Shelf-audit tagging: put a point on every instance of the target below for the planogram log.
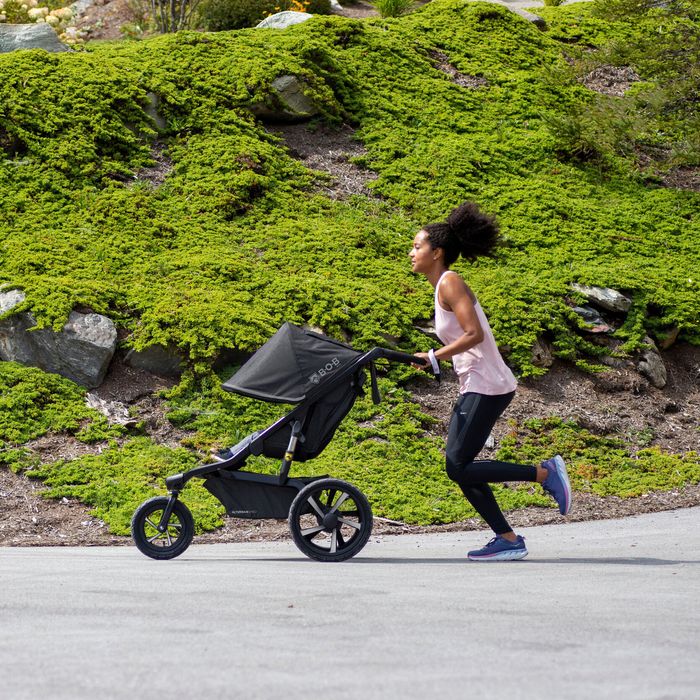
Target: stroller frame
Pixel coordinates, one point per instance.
(258, 496)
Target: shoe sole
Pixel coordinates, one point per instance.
(508, 555)
(564, 476)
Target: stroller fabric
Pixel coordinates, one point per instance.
(289, 365)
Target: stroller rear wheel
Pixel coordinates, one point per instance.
(164, 541)
(330, 520)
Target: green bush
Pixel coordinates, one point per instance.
(393, 8)
(223, 15)
(240, 236)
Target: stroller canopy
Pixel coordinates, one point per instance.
(289, 365)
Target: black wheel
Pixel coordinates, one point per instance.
(330, 520)
(168, 542)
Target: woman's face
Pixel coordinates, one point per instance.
(422, 253)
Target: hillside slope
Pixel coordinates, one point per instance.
(235, 235)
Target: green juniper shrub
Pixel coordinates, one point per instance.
(602, 464)
(240, 236)
(34, 403)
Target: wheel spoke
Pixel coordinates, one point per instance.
(155, 537)
(357, 526)
(170, 541)
(334, 542)
(341, 539)
(312, 502)
(340, 501)
(309, 532)
(153, 525)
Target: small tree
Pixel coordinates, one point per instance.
(172, 15)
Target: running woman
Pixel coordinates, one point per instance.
(486, 384)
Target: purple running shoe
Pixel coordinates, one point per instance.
(557, 483)
(499, 549)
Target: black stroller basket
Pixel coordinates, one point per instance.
(330, 520)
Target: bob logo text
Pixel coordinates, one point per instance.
(319, 374)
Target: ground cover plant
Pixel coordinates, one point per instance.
(237, 239)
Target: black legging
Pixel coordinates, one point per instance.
(473, 417)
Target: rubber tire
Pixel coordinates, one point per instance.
(300, 507)
(138, 528)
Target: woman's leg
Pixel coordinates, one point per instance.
(473, 418)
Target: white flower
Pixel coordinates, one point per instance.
(63, 12)
(52, 20)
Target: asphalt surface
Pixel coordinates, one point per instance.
(605, 609)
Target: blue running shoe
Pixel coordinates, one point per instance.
(499, 549)
(557, 483)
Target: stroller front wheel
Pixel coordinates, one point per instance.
(162, 540)
(330, 520)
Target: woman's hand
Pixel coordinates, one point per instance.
(424, 361)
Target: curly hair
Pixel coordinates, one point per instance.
(467, 231)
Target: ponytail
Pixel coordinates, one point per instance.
(467, 232)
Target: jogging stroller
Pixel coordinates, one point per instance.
(330, 519)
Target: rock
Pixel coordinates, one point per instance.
(287, 102)
(336, 7)
(651, 365)
(530, 17)
(670, 338)
(542, 355)
(115, 411)
(390, 341)
(282, 20)
(594, 321)
(429, 331)
(15, 342)
(81, 351)
(604, 297)
(151, 110)
(157, 359)
(14, 37)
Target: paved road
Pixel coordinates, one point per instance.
(607, 609)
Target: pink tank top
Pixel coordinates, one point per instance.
(480, 369)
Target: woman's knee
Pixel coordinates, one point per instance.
(458, 468)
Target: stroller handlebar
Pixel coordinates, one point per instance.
(396, 356)
(406, 358)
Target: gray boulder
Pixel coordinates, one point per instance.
(152, 110)
(15, 342)
(651, 365)
(287, 101)
(594, 321)
(81, 351)
(30, 36)
(157, 359)
(282, 20)
(542, 354)
(529, 16)
(604, 297)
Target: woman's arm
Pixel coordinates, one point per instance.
(460, 300)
